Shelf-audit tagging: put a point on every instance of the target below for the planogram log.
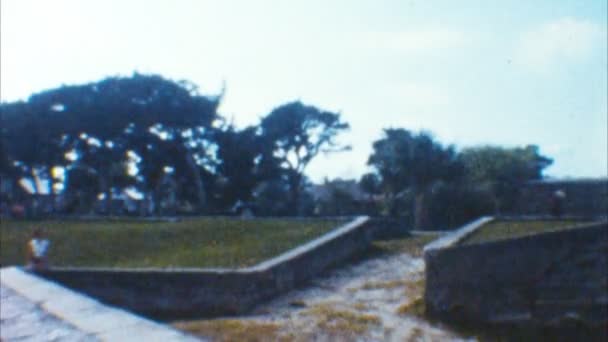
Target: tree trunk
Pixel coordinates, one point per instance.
(35, 188)
(198, 182)
(156, 195)
(421, 219)
(295, 194)
(392, 204)
(35, 194)
(106, 190)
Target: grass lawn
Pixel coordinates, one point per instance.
(412, 245)
(197, 242)
(501, 230)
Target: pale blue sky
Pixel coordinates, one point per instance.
(472, 72)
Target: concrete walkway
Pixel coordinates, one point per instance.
(34, 309)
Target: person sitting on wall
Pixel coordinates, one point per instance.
(37, 249)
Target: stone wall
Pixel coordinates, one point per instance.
(583, 197)
(539, 280)
(387, 228)
(183, 293)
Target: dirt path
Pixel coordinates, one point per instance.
(371, 300)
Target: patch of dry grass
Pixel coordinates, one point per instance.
(374, 285)
(412, 245)
(416, 335)
(415, 288)
(342, 323)
(232, 330)
(415, 307)
(361, 306)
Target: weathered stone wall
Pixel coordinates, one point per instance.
(584, 197)
(387, 228)
(538, 280)
(181, 293)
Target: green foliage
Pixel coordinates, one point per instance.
(406, 160)
(109, 124)
(242, 164)
(339, 198)
(370, 183)
(454, 204)
(208, 242)
(502, 171)
(162, 138)
(297, 134)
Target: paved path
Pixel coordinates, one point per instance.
(34, 309)
(22, 320)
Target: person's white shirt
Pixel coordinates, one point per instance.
(39, 247)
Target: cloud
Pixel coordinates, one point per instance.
(415, 41)
(563, 40)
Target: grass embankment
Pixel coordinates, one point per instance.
(200, 242)
(502, 230)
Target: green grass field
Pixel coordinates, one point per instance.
(200, 242)
(501, 230)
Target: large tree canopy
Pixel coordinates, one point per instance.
(103, 126)
(503, 170)
(412, 161)
(298, 133)
(166, 141)
(161, 138)
(244, 162)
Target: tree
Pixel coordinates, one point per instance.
(502, 171)
(32, 149)
(370, 184)
(101, 123)
(297, 134)
(338, 197)
(242, 164)
(409, 161)
(81, 189)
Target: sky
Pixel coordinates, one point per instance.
(507, 73)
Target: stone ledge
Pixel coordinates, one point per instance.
(174, 293)
(452, 238)
(87, 315)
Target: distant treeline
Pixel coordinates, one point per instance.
(161, 142)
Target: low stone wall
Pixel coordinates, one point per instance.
(183, 293)
(40, 309)
(583, 197)
(387, 228)
(541, 280)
